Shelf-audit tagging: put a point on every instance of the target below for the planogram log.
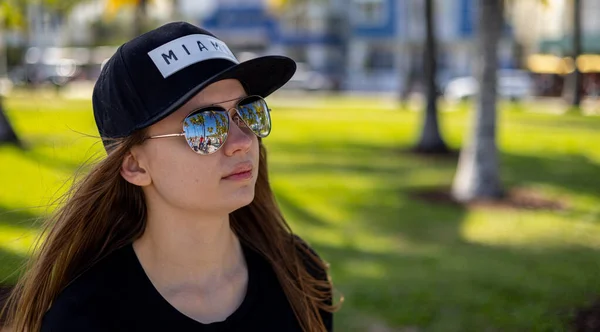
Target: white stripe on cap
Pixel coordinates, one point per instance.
(184, 51)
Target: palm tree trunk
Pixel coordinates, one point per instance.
(140, 17)
(3, 52)
(431, 141)
(7, 134)
(176, 13)
(577, 79)
(478, 176)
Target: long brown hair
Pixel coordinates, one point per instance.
(103, 213)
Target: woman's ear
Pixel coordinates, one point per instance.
(133, 171)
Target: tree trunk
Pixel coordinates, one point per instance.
(409, 79)
(577, 78)
(478, 176)
(141, 16)
(176, 13)
(431, 141)
(7, 134)
(3, 52)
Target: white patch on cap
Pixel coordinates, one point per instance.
(182, 52)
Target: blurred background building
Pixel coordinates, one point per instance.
(357, 45)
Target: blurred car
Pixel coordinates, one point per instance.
(57, 74)
(309, 80)
(512, 84)
(54, 65)
(6, 86)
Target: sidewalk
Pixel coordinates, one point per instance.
(355, 100)
(281, 99)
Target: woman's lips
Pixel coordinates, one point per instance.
(241, 171)
(239, 176)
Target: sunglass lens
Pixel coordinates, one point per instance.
(206, 131)
(255, 113)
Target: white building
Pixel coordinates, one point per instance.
(547, 28)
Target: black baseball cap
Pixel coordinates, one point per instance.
(154, 74)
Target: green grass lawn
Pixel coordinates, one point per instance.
(344, 183)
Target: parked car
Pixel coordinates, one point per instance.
(512, 84)
(5, 86)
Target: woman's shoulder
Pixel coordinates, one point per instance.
(84, 303)
(70, 315)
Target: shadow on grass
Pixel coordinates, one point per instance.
(568, 122)
(298, 213)
(379, 161)
(21, 218)
(68, 165)
(575, 173)
(467, 287)
(14, 227)
(438, 281)
(10, 266)
(432, 277)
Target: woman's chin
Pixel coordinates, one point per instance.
(245, 198)
(241, 198)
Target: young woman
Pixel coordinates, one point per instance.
(177, 229)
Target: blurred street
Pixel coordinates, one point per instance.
(82, 90)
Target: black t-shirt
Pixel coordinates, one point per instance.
(116, 295)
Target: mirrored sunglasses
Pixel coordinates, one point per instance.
(206, 129)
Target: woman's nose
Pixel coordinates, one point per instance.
(237, 140)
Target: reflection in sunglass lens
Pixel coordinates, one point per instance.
(206, 131)
(254, 112)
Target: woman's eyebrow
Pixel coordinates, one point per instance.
(221, 102)
(213, 104)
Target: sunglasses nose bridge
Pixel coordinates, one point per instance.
(236, 111)
(239, 124)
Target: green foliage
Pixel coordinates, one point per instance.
(109, 32)
(13, 12)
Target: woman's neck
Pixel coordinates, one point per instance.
(195, 262)
(178, 248)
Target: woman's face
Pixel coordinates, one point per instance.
(184, 179)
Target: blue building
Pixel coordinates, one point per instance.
(247, 27)
(312, 33)
(364, 44)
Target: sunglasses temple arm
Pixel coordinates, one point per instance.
(167, 135)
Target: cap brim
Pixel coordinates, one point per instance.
(260, 76)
